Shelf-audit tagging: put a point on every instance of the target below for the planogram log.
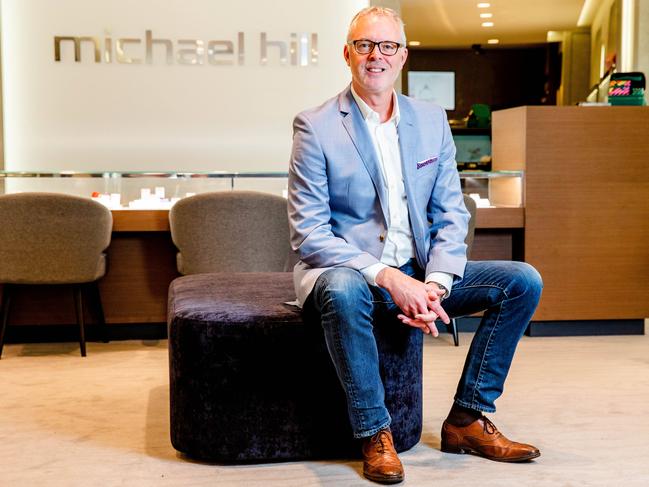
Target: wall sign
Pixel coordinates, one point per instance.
(301, 48)
(174, 85)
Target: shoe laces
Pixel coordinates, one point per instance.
(488, 427)
(381, 440)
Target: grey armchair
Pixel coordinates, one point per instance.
(49, 238)
(231, 231)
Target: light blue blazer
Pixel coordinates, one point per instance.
(337, 196)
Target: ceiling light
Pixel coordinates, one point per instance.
(487, 24)
(486, 15)
(493, 41)
(414, 43)
(484, 5)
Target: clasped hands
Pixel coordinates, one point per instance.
(419, 302)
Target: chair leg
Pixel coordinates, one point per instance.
(78, 301)
(6, 304)
(453, 329)
(95, 296)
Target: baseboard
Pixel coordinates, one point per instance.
(564, 328)
(70, 333)
(585, 328)
(158, 331)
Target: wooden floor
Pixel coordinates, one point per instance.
(103, 420)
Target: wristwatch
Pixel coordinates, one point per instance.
(443, 288)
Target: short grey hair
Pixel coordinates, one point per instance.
(383, 11)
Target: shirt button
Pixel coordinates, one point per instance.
(381, 237)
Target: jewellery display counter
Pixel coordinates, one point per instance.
(151, 192)
(142, 257)
(139, 190)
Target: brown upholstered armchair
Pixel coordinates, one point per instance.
(231, 231)
(48, 238)
(472, 209)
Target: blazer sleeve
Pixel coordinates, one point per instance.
(309, 212)
(446, 211)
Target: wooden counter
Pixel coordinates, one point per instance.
(586, 205)
(158, 220)
(500, 218)
(140, 220)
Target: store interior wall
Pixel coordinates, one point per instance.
(2, 132)
(499, 77)
(2, 149)
(394, 4)
(103, 115)
(605, 38)
(605, 32)
(642, 40)
(575, 66)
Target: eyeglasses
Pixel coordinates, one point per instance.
(365, 46)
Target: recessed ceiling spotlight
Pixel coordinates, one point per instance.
(414, 43)
(484, 5)
(493, 41)
(487, 24)
(486, 15)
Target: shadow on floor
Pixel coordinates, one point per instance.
(157, 438)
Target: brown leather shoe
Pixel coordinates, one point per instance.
(483, 438)
(381, 463)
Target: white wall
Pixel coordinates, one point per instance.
(112, 116)
(642, 43)
(600, 24)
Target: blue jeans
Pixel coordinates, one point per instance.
(508, 292)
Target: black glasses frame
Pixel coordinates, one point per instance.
(381, 45)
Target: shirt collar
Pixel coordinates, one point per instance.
(371, 115)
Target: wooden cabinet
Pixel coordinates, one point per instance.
(586, 198)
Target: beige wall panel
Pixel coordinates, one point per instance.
(642, 40)
(194, 110)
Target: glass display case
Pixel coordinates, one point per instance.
(160, 190)
(141, 190)
(494, 189)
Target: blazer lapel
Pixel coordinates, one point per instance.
(357, 130)
(408, 140)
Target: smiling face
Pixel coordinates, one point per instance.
(374, 74)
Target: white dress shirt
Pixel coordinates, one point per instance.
(399, 246)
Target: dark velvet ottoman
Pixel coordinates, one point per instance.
(251, 381)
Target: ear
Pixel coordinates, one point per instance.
(346, 53)
(404, 56)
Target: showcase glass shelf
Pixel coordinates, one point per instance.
(147, 190)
